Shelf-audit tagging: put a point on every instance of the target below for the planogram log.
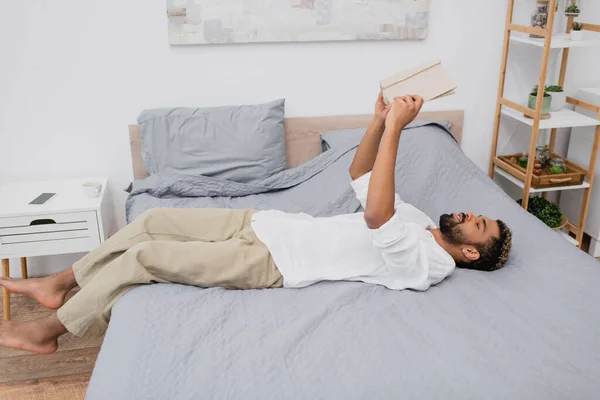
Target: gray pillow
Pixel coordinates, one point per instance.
(345, 137)
(341, 138)
(238, 143)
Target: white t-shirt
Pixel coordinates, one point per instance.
(401, 254)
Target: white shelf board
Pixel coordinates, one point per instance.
(569, 238)
(559, 41)
(520, 184)
(560, 119)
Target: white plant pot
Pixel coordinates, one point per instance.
(572, 14)
(559, 101)
(576, 35)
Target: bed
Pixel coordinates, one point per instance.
(528, 331)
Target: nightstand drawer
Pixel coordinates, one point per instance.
(49, 234)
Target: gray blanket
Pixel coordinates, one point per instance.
(528, 331)
(326, 174)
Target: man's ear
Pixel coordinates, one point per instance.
(471, 253)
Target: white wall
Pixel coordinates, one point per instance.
(584, 65)
(74, 74)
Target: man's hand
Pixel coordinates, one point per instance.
(381, 109)
(367, 150)
(403, 111)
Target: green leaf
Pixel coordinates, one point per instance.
(544, 210)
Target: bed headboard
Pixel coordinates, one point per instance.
(302, 140)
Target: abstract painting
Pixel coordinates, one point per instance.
(248, 21)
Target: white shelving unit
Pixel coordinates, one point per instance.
(579, 146)
(565, 118)
(590, 39)
(560, 119)
(569, 238)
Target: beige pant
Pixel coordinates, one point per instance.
(199, 247)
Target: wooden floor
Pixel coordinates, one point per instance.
(63, 375)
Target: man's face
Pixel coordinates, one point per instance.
(468, 229)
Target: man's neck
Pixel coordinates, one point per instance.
(450, 249)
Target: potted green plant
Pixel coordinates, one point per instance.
(559, 97)
(546, 211)
(577, 31)
(572, 10)
(545, 104)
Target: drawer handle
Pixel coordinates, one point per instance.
(42, 222)
(562, 180)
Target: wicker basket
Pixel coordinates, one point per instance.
(563, 223)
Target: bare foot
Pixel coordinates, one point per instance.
(49, 292)
(39, 336)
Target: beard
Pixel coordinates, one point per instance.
(451, 230)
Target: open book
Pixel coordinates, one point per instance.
(430, 81)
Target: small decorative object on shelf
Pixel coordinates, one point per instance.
(557, 166)
(546, 211)
(539, 18)
(573, 8)
(543, 154)
(577, 31)
(537, 166)
(545, 105)
(523, 160)
(559, 97)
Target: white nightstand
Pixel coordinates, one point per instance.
(67, 223)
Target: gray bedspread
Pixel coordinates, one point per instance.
(528, 331)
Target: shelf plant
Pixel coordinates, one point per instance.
(559, 97)
(572, 10)
(545, 211)
(545, 104)
(577, 31)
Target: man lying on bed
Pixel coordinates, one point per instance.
(391, 244)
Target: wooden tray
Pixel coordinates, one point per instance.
(574, 176)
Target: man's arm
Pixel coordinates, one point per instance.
(381, 193)
(367, 150)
